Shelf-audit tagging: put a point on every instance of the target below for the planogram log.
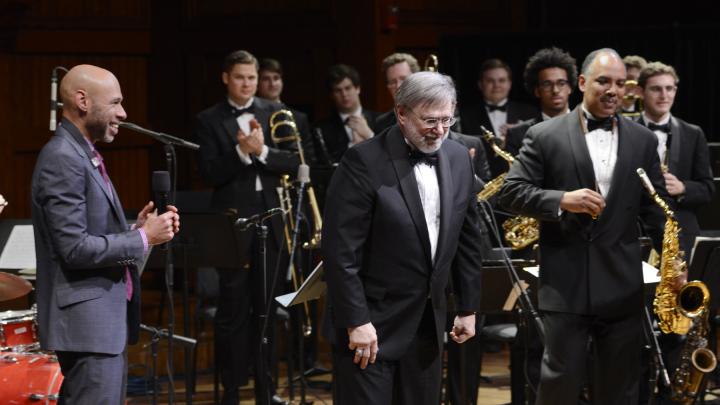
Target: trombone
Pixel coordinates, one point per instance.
(279, 119)
(431, 63)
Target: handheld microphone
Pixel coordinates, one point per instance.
(53, 100)
(161, 191)
(244, 223)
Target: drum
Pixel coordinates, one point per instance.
(18, 330)
(29, 378)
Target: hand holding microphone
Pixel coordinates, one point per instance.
(159, 227)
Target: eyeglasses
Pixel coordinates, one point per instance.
(547, 85)
(432, 122)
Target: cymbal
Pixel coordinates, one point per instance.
(12, 286)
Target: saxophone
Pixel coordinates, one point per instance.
(520, 231)
(675, 310)
(683, 313)
(696, 360)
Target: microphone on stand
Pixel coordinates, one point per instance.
(303, 174)
(161, 192)
(321, 142)
(53, 97)
(244, 223)
(53, 100)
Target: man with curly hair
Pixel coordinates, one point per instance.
(550, 75)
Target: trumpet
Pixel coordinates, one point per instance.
(631, 95)
(431, 63)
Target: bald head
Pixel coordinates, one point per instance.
(602, 82)
(92, 100)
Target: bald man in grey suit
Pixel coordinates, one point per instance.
(88, 287)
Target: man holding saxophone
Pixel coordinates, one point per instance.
(576, 174)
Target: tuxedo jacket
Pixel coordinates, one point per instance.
(516, 134)
(233, 181)
(689, 161)
(480, 161)
(475, 116)
(385, 120)
(376, 247)
(586, 266)
(335, 136)
(83, 246)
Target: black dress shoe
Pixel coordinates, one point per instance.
(276, 400)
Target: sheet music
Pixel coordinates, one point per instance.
(311, 289)
(650, 273)
(19, 251)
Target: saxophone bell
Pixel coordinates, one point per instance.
(693, 299)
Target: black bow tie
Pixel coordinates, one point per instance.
(240, 111)
(655, 127)
(605, 124)
(416, 157)
(492, 108)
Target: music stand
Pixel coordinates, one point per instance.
(704, 262)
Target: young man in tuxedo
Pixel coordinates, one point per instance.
(243, 165)
(577, 175)
(350, 123)
(497, 112)
(401, 225)
(396, 68)
(682, 149)
(550, 75)
(88, 286)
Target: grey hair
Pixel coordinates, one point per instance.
(426, 88)
(594, 54)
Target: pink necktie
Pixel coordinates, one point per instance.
(103, 172)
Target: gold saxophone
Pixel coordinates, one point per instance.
(685, 312)
(675, 310)
(696, 360)
(520, 231)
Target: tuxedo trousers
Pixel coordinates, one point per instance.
(414, 379)
(616, 352)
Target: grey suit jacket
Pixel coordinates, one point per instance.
(83, 246)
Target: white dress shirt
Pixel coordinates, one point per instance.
(348, 130)
(429, 190)
(243, 121)
(603, 146)
(661, 136)
(497, 118)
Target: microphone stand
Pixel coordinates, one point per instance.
(261, 365)
(156, 335)
(268, 300)
(293, 249)
(524, 301)
(169, 142)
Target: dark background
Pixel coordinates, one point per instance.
(167, 56)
